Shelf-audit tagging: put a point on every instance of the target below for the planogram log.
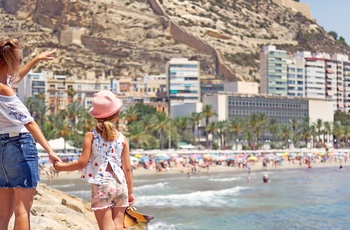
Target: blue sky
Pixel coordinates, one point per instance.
(332, 15)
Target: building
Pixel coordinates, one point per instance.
(273, 71)
(183, 81)
(316, 76)
(283, 109)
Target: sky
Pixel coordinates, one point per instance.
(332, 15)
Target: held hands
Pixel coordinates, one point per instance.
(57, 165)
(54, 158)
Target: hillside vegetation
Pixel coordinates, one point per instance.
(128, 38)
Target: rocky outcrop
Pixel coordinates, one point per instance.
(55, 210)
(129, 38)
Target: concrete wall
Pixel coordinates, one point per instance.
(301, 7)
(70, 36)
(320, 109)
(185, 109)
(219, 102)
(179, 34)
(242, 87)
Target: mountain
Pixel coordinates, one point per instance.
(133, 37)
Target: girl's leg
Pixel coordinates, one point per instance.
(118, 217)
(23, 202)
(7, 196)
(104, 219)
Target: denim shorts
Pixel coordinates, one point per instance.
(19, 165)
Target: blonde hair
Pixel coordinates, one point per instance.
(10, 56)
(106, 127)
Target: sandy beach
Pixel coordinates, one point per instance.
(256, 166)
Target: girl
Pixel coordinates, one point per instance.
(19, 166)
(106, 159)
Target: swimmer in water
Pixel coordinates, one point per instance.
(266, 178)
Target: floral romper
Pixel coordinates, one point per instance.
(108, 188)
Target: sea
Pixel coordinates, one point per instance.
(316, 198)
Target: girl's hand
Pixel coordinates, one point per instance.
(57, 166)
(131, 199)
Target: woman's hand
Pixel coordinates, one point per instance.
(54, 158)
(46, 55)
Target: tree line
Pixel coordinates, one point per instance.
(148, 129)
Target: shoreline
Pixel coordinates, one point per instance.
(257, 166)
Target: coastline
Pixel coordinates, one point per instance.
(257, 166)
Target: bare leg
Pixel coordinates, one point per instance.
(118, 217)
(7, 196)
(104, 219)
(23, 202)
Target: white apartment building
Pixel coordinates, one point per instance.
(273, 71)
(183, 81)
(316, 76)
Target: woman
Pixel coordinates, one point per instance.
(19, 173)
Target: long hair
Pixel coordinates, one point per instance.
(106, 127)
(10, 56)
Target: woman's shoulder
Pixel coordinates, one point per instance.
(6, 90)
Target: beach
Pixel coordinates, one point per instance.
(256, 166)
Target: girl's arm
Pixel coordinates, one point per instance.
(24, 70)
(127, 170)
(34, 129)
(83, 159)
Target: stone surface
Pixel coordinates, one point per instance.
(48, 212)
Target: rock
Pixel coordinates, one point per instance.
(54, 210)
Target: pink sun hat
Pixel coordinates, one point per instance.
(105, 104)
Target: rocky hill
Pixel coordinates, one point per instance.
(132, 37)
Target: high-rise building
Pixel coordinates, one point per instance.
(273, 71)
(183, 81)
(317, 76)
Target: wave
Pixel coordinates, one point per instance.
(151, 187)
(225, 179)
(162, 226)
(212, 198)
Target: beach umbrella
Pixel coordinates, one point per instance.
(252, 158)
(134, 159)
(144, 158)
(138, 155)
(222, 158)
(207, 157)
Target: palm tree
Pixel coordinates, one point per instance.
(131, 114)
(63, 128)
(137, 135)
(338, 133)
(346, 134)
(274, 129)
(160, 121)
(212, 128)
(318, 126)
(294, 123)
(327, 129)
(195, 119)
(236, 127)
(74, 110)
(286, 132)
(207, 112)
